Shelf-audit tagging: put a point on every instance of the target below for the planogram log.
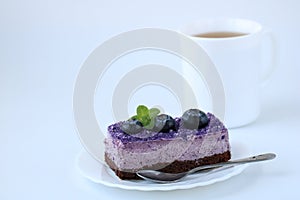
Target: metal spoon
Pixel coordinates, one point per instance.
(162, 177)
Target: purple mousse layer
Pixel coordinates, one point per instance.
(151, 150)
(146, 135)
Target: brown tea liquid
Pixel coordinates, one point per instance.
(220, 34)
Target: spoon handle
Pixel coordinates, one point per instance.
(257, 158)
(262, 157)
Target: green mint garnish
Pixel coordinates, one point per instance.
(146, 116)
(143, 115)
(153, 112)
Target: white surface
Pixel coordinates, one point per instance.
(98, 173)
(43, 44)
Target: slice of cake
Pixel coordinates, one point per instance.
(152, 141)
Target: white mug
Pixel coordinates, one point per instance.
(235, 46)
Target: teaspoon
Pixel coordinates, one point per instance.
(162, 177)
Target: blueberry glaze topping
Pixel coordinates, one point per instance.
(132, 126)
(164, 123)
(214, 125)
(194, 119)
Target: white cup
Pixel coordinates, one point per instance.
(239, 61)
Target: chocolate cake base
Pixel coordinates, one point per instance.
(174, 167)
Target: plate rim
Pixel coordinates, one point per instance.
(155, 187)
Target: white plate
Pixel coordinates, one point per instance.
(98, 173)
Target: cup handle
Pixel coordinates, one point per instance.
(272, 65)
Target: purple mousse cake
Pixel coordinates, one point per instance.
(168, 145)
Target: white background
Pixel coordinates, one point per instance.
(44, 43)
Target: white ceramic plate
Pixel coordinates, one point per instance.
(99, 173)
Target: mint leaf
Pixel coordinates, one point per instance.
(153, 112)
(142, 111)
(143, 115)
(150, 125)
(145, 120)
(146, 116)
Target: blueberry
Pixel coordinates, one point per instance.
(194, 119)
(164, 123)
(132, 126)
